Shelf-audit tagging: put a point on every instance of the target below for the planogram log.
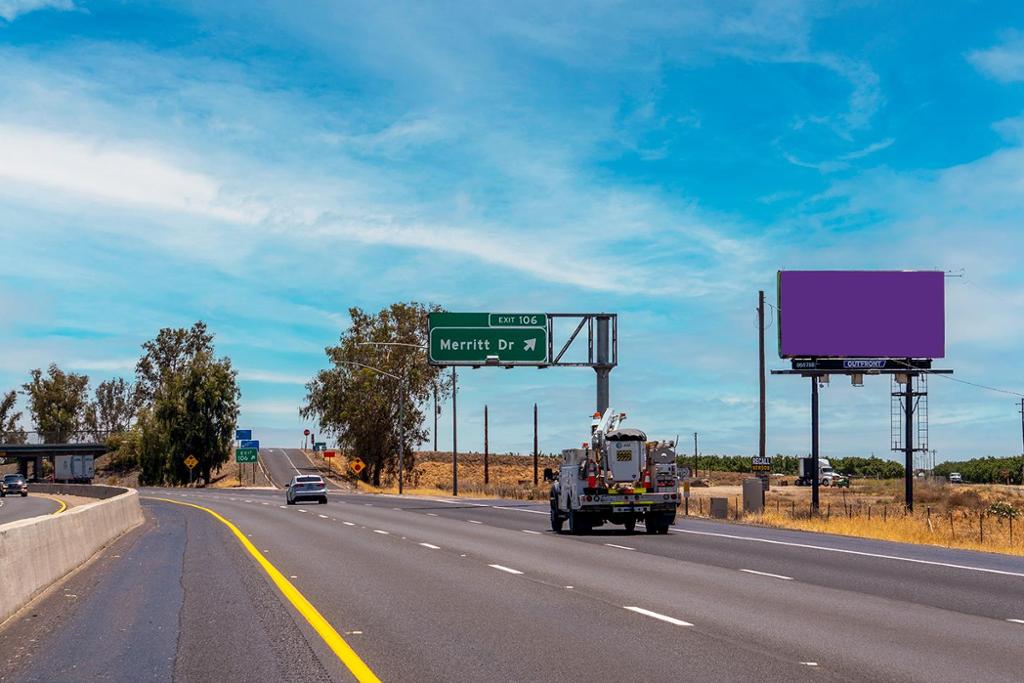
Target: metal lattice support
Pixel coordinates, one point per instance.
(896, 415)
(922, 413)
(897, 426)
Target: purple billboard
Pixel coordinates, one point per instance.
(861, 314)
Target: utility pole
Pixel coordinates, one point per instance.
(760, 349)
(1022, 425)
(695, 455)
(455, 437)
(487, 469)
(401, 439)
(534, 444)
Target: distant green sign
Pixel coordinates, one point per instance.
(246, 454)
(476, 338)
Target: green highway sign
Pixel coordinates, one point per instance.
(246, 454)
(477, 338)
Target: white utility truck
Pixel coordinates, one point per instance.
(619, 477)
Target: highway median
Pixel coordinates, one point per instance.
(37, 552)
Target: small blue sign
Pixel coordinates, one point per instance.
(243, 434)
(249, 444)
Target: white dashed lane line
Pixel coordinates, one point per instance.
(502, 568)
(531, 531)
(381, 531)
(846, 551)
(473, 521)
(655, 615)
(773, 576)
(621, 547)
(431, 546)
(322, 516)
(1016, 621)
(349, 523)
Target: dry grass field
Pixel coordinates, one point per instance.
(956, 516)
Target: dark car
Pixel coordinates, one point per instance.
(13, 483)
(306, 487)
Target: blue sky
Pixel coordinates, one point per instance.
(264, 166)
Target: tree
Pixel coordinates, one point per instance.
(58, 402)
(169, 354)
(191, 406)
(9, 430)
(116, 405)
(358, 399)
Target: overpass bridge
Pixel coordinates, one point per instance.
(31, 448)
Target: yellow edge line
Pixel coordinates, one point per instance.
(331, 637)
(63, 506)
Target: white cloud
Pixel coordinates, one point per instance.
(1004, 62)
(12, 9)
(870, 149)
(110, 364)
(108, 172)
(270, 407)
(271, 377)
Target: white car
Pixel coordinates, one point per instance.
(955, 478)
(306, 487)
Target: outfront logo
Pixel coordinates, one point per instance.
(864, 364)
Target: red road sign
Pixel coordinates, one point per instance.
(328, 454)
(305, 432)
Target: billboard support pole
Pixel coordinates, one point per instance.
(908, 441)
(814, 443)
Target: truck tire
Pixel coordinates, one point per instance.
(659, 524)
(631, 525)
(556, 518)
(578, 522)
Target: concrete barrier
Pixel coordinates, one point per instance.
(36, 552)
(84, 490)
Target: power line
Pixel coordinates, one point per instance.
(964, 381)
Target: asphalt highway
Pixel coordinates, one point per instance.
(15, 507)
(469, 590)
(284, 463)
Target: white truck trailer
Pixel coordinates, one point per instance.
(825, 472)
(619, 478)
(73, 468)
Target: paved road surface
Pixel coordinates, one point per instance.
(284, 463)
(15, 507)
(461, 590)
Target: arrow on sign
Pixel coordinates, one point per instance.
(530, 344)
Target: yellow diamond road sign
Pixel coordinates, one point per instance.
(357, 465)
(191, 461)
